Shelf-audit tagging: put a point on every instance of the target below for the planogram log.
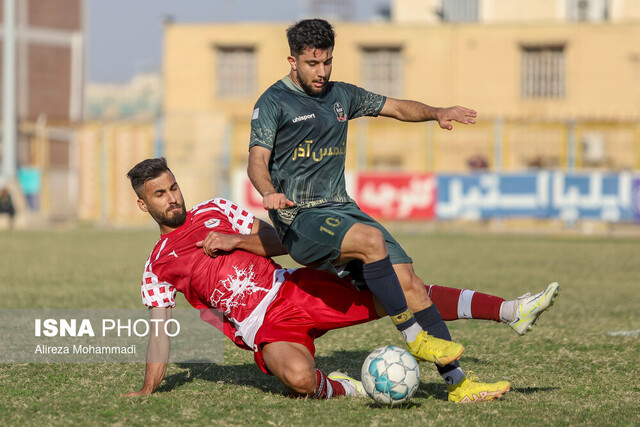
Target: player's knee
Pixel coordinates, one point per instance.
(300, 379)
(373, 244)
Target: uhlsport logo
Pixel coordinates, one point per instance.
(340, 114)
(304, 118)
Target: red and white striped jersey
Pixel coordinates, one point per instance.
(238, 284)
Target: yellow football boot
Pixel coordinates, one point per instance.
(431, 349)
(471, 390)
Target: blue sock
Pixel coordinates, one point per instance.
(431, 321)
(383, 282)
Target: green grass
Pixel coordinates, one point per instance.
(567, 372)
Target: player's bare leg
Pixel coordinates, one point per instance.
(413, 288)
(294, 366)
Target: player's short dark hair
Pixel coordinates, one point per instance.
(310, 33)
(146, 170)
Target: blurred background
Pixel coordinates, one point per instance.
(91, 87)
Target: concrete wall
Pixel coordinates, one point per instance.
(473, 65)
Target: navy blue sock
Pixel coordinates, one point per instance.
(431, 321)
(383, 282)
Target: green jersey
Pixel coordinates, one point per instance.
(307, 137)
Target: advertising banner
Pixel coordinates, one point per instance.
(546, 194)
(396, 196)
(610, 197)
(635, 198)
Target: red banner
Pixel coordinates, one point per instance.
(253, 198)
(397, 196)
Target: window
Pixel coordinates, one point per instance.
(236, 77)
(460, 10)
(588, 10)
(382, 70)
(543, 72)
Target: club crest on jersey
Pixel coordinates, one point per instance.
(212, 223)
(340, 114)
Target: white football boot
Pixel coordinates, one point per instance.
(352, 387)
(530, 307)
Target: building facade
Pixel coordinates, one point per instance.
(442, 12)
(50, 60)
(552, 92)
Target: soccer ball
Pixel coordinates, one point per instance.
(390, 375)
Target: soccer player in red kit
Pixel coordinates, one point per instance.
(217, 255)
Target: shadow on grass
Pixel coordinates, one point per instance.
(533, 390)
(349, 362)
(248, 374)
(408, 405)
(436, 390)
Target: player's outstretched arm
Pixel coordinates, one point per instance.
(158, 351)
(414, 111)
(262, 241)
(258, 171)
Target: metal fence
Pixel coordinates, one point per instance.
(82, 168)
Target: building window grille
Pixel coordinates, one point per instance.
(382, 70)
(236, 72)
(460, 10)
(588, 10)
(543, 72)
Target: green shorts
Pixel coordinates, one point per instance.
(315, 236)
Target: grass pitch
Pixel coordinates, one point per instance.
(578, 366)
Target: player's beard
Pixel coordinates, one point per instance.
(173, 217)
(310, 90)
(307, 84)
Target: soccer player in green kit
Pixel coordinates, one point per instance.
(297, 161)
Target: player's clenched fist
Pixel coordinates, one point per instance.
(276, 201)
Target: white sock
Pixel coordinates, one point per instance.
(453, 377)
(411, 333)
(329, 390)
(508, 311)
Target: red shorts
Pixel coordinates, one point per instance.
(310, 303)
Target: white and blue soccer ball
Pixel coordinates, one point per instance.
(390, 375)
